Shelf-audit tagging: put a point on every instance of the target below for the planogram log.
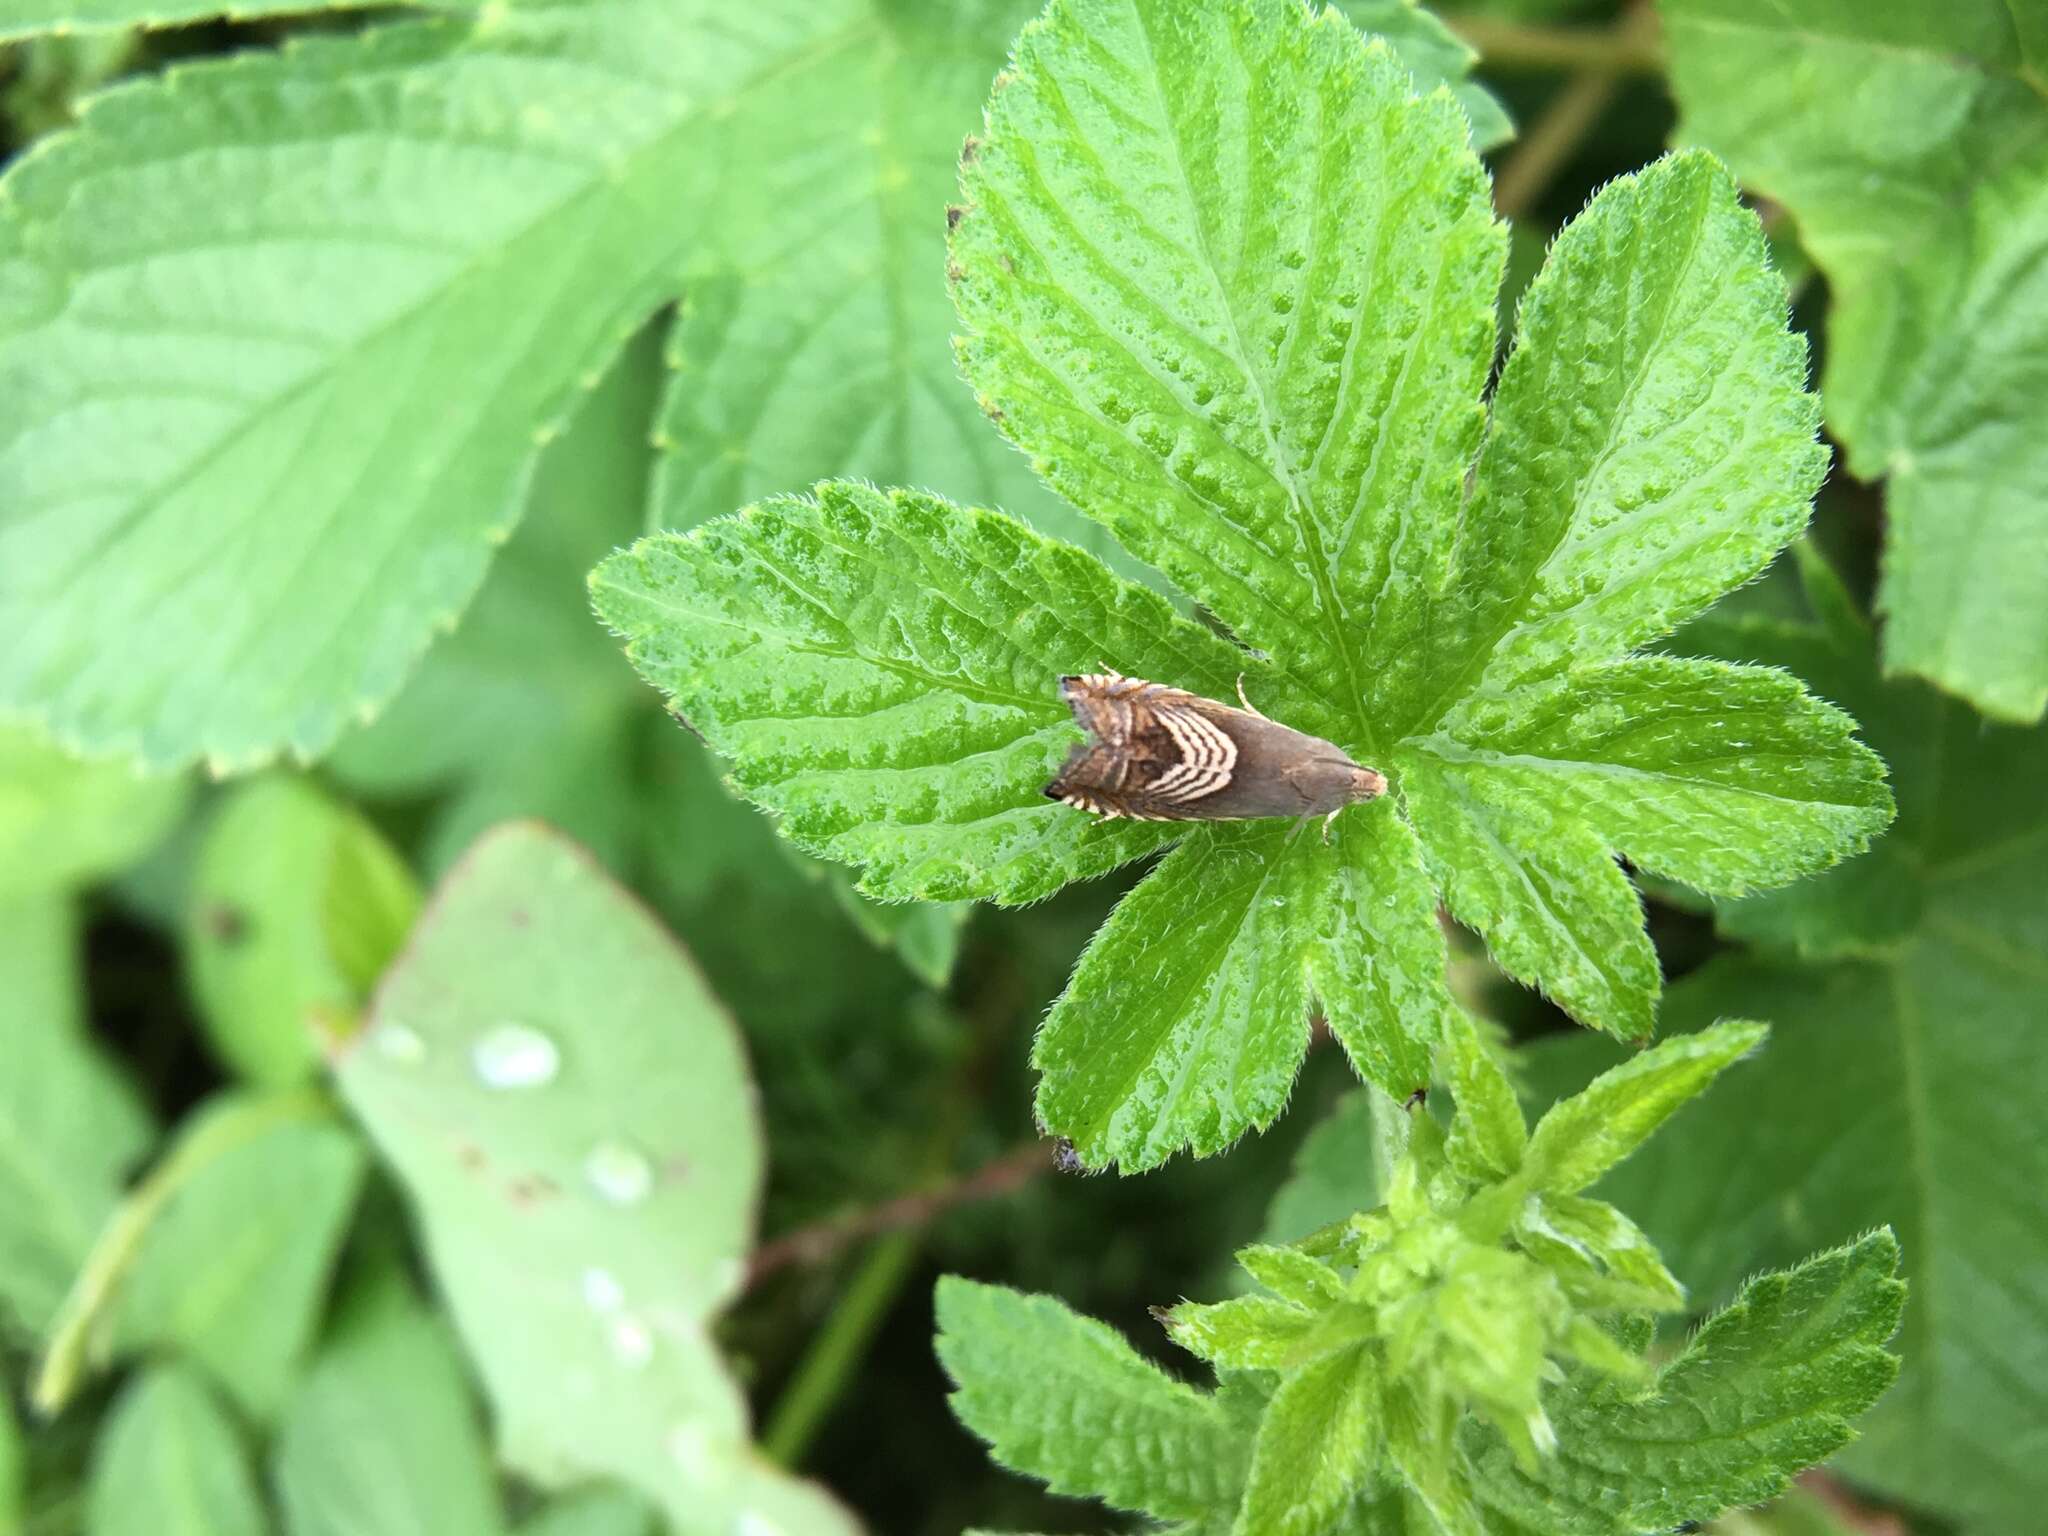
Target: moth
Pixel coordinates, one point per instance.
(1156, 753)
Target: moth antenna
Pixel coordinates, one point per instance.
(1249, 707)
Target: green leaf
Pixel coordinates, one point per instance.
(1765, 1389)
(1603, 1257)
(597, 1512)
(1265, 380)
(1910, 141)
(234, 1273)
(382, 1435)
(295, 905)
(13, 1471)
(1898, 1086)
(339, 506)
(1064, 1399)
(568, 1109)
(169, 1462)
(1488, 1133)
(20, 18)
(64, 822)
(1585, 1135)
(879, 669)
(1435, 56)
(70, 1125)
(1333, 1173)
(1317, 1445)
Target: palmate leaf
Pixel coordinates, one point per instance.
(1910, 142)
(1231, 285)
(287, 330)
(1901, 1081)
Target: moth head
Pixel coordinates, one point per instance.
(1330, 782)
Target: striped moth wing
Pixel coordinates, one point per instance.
(1156, 753)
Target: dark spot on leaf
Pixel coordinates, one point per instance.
(470, 1155)
(226, 924)
(969, 148)
(1416, 1099)
(1064, 1157)
(953, 215)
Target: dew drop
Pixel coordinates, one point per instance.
(620, 1173)
(631, 1342)
(601, 1291)
(396, 1042)
(515, 1056)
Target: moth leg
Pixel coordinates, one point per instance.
(1326, 824)
(1249, 707)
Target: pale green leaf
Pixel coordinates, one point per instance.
(1765, 1389)
(528, 708)
(1910, 142)
(382, 1436)
(65, 823)
(596, 1512)
(233, 1274)
(1318, 1442)
(1580, 1138)
(1602, 1257)
(568, 1109)
(1333, 1173)
(881, 669)
(1063, 1398)
(70, 1126)
(234, 519)
(1245, 1333)
(293, 895)
(1487, 1130)
(170, 1462)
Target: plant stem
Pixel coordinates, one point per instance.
(838, 1348)
(1509, 47)
(817, 1243)
(1565, 122)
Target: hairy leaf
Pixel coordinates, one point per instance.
(70, 1125)
(1231, 285)
(567, 1107)
(1910, 141)
(1065, 1399)
(1587, 1134)
(1900, 1079)
(1318, 1441)
(170, 1462)
(1766, 1388)
(383, 1435)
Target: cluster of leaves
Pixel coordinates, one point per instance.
(1265, 380)
(1468, 1358)
(300, 344)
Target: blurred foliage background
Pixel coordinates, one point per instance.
(212, 1297)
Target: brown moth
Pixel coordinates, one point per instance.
(1156, 753)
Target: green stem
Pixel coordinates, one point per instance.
(838, 1349)
(1509, 47)
(74, 1333)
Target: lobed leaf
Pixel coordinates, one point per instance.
(1910, 142)
(170, 1462)
(1064, 1398)
(567, 1108)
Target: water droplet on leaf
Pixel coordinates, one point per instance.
(631, 1342)
(601, 1292)
(515, 1056)
(396, 1042)
(618, 1172)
